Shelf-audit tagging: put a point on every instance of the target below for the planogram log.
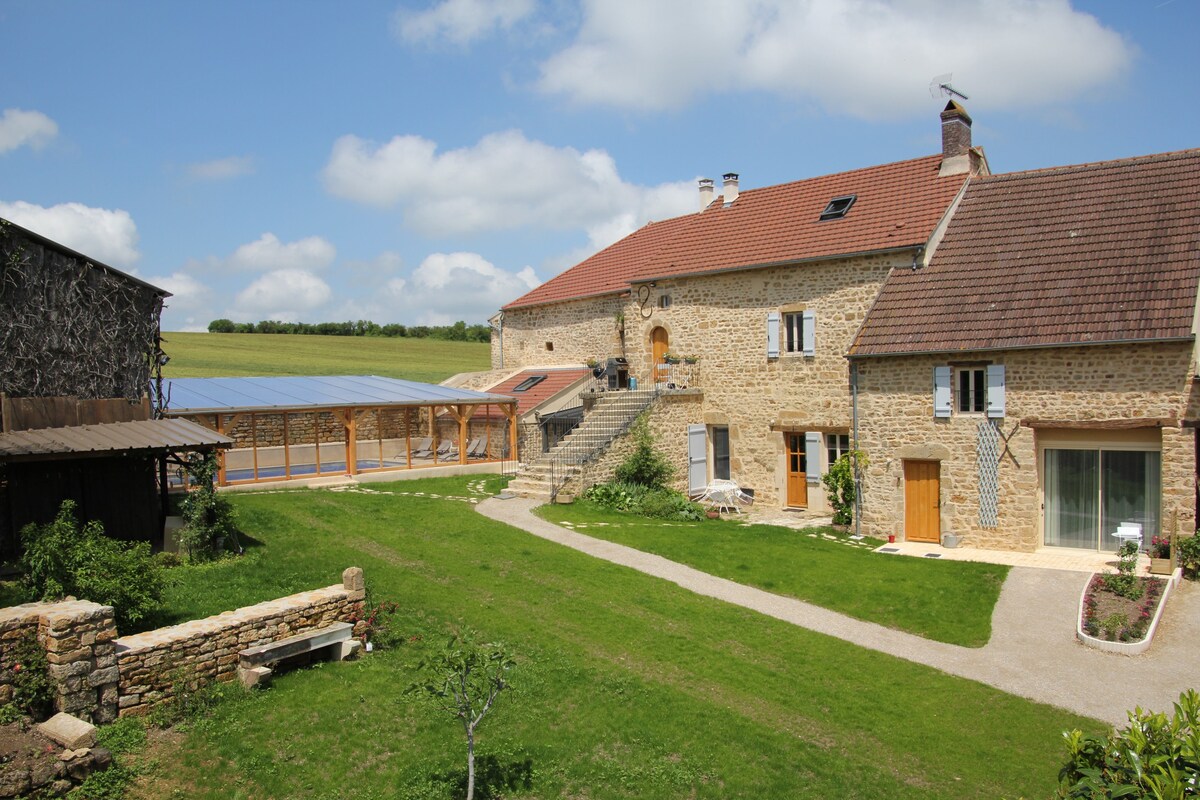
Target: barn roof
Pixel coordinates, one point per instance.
(112, 438)
(1083, 254)
(895, 206)
(230, 395)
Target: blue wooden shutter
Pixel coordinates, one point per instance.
(697, 458)
(813, 442)
(810, 334)
(941, 391)
(995, 390)
(772, 334)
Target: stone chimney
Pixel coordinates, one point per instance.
(706, 193)
(731, 187)
(956, 140)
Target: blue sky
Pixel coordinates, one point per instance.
(427, 162)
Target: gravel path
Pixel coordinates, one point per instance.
(1032, 653)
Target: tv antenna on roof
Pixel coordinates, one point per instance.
(941, 85)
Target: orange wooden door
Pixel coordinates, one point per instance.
(797, 471)
(658, 347)
(922, 490)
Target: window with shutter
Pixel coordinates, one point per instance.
(941, 391)
(812, 449)
(772, 334)
(995, 391)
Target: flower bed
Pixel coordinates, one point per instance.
(1121, 616)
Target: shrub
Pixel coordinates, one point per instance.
(617, 495)
(378, 623)
(28, 673)
(1189, 555)
(839, 485)
(1125, 582)
(668, 504)
(638, 499)
(1156, 756)
(645, 465)
(209, 525)
(61, 558)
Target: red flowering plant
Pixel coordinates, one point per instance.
(373, 625)
(1160, 547)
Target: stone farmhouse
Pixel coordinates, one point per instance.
(767, 289)
(1033, 385)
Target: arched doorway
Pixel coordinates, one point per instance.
(658, 349)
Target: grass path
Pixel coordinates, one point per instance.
(626, 686)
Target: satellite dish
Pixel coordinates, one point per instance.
(940, 86)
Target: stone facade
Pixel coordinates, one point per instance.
(1051, 395)
(722, 318)
(98, 676)
(79, 640)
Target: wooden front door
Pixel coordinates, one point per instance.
(658, 347)
(922, 511)
(797, 471)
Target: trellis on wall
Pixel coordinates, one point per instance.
(987, 449)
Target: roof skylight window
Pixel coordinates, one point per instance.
(529, 383)
(838, 207)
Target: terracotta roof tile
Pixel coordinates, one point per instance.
(555, 381)
(898, 206)
(1081, 254)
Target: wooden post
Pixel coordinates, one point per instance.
(408, 437)
(510, 411)
(254, 441)
(350, 420)
(221, 481)
(287, 444)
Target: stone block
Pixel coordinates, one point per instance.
(353, 580)
(254, 676)
(68, 731)
(102, 677)
(348, 649)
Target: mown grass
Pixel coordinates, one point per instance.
(210, 355)
(626, 686)
(950, 601)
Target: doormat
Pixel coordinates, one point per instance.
(933, 555)
(888, 550)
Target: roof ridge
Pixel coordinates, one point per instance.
(1066, 168)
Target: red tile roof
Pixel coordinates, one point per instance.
(898, 206)
(1082, 254)
(556, 380)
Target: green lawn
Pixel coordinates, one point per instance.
(210, 355)
(626, 686)
(950, 601)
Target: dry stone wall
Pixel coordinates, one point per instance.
(1078, 386)
(98, 675)
(722, 318)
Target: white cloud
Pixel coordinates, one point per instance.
(503, 182)
(222, 168)
(447, 287)
(109, 236)
(267, 252)
(459, 21)
(31, 128)
(284, 294)
(867, 58)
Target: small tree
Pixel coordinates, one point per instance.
(840, 485)
(645, 465)
(464, 678)
(208, 517)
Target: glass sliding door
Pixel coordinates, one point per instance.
(1072, 498)
(1089, 493)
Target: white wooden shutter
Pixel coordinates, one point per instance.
(809, 338)
(995, 390)
(772, 334)
(813, 443)
(697, 458)
(941, 391)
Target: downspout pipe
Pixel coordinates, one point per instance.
(857, 474)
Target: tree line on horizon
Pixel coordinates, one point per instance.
(458, 332)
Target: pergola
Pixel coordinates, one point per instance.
(299, 427)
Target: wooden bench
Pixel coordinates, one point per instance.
(334, 642)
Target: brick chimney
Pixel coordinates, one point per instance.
(731, 187)
(957, 155)
(706, 193)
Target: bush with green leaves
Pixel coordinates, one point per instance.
(63, 558)
(645, 465)
(27, 671)
(636, 498)
(1188, 553)
(1155, 757)
(209, 527)
(840, 486)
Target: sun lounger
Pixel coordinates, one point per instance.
(477, 449)
(423, 448)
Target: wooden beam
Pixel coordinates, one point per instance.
(1102, 424)
(350, 422)
(220, 428)
(510, 411)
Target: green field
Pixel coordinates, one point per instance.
(216, 355)
(626, 686)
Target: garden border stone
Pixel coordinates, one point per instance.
(1125, 648)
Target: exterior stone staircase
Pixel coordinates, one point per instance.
(611, 417)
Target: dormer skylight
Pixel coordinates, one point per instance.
(838, 207)
(529, 383)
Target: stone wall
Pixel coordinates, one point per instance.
(722, 318)
(303, 426)
(99, 675)
(1078, 386)
(79, 640)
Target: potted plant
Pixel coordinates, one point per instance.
(670, 358)
(691, 359)
(1160, 555)
(592, 363)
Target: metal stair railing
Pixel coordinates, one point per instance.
(592, 436)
